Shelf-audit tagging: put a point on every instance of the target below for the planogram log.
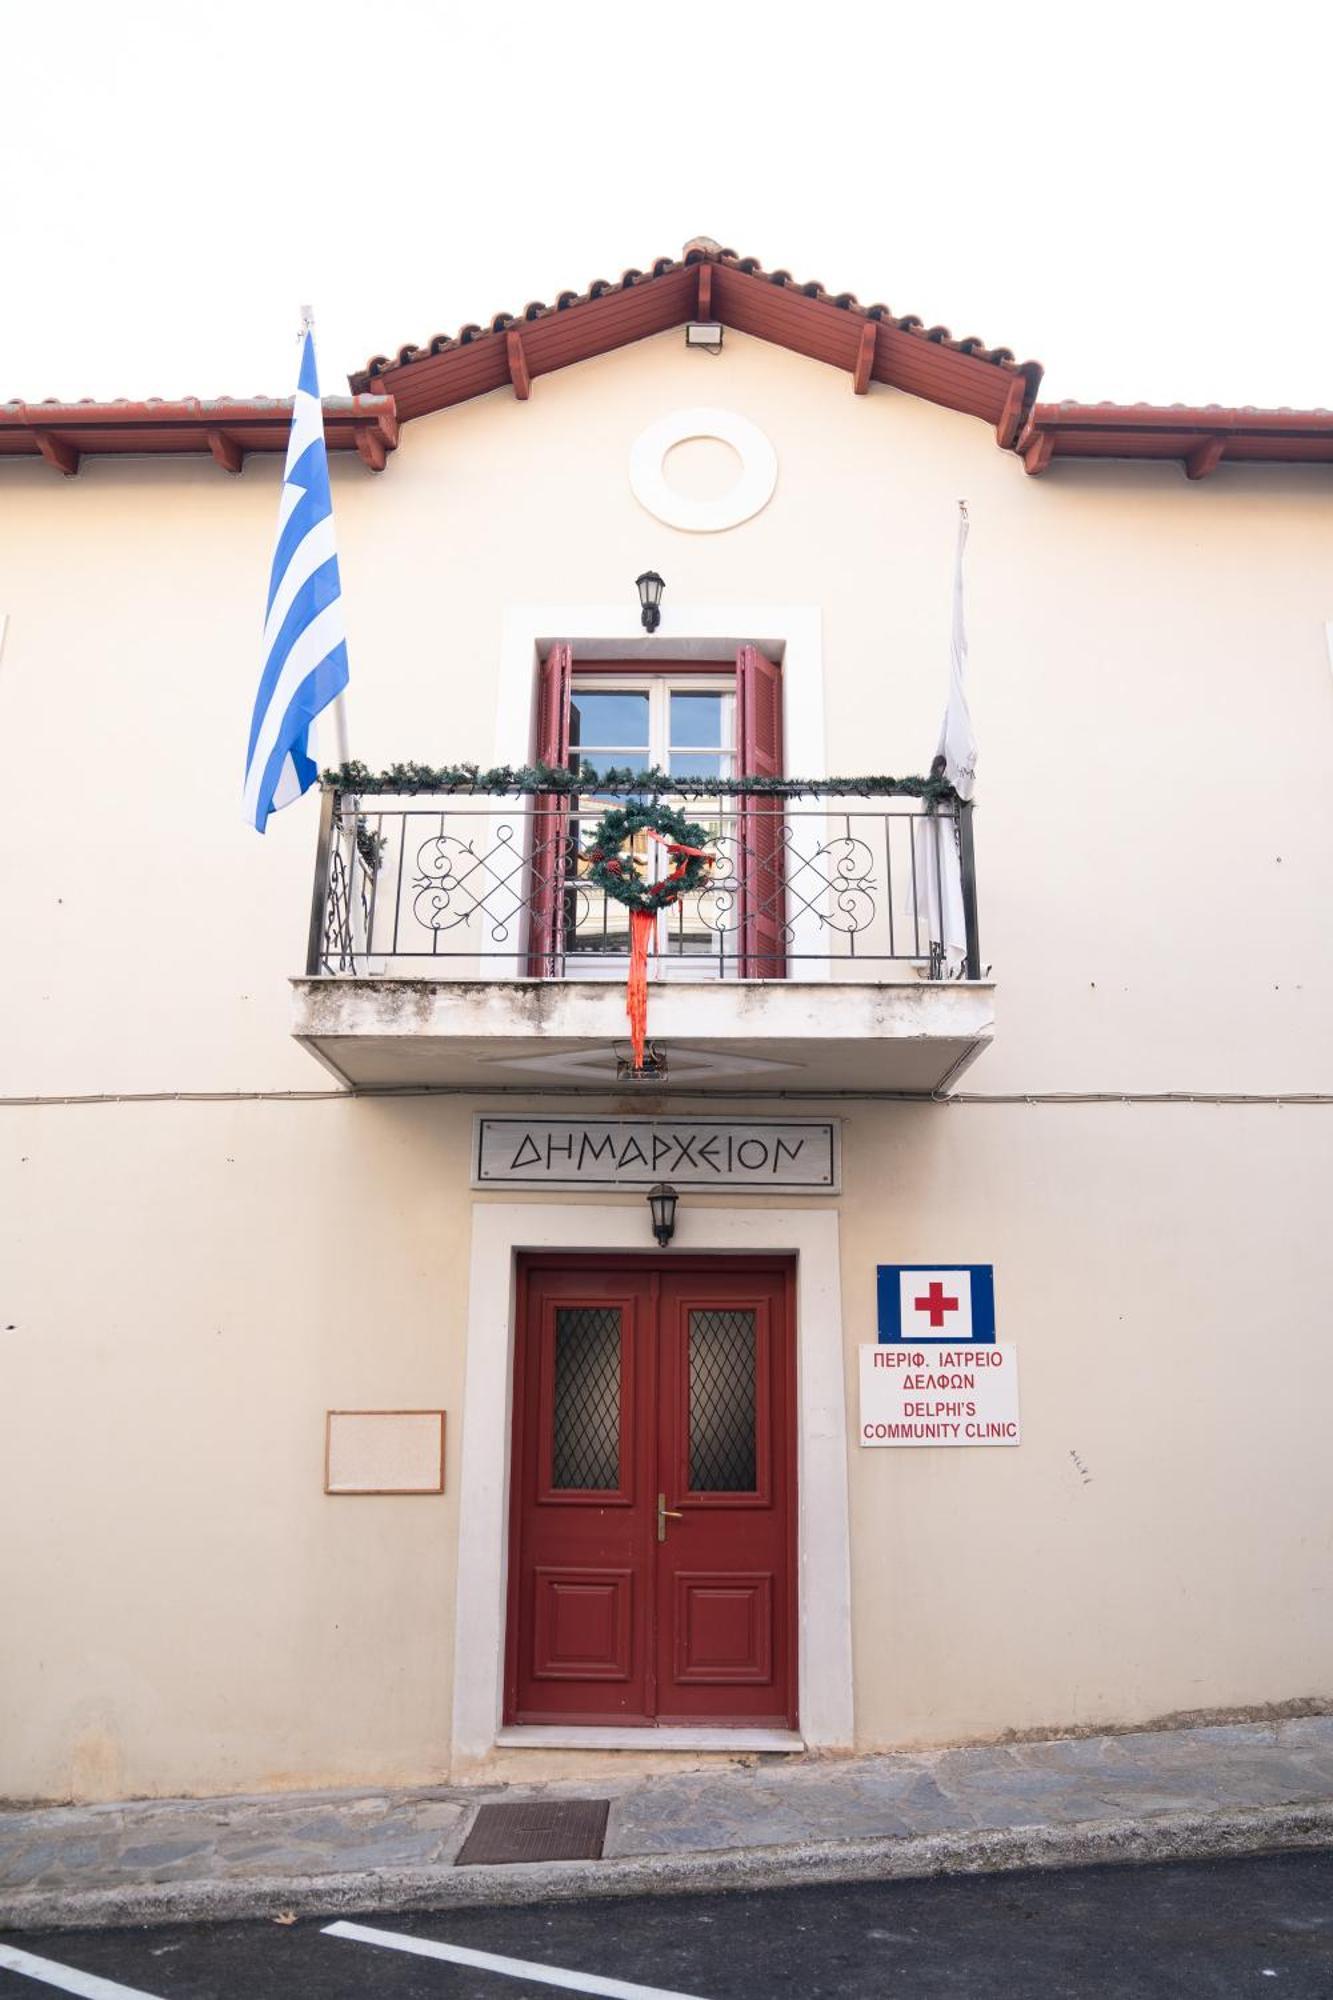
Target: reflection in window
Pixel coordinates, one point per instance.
(609, 728)
(696, 721)
(586, 1442)
(722, 1377)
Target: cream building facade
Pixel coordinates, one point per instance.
(212, 1241)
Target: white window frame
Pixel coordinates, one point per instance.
(659, 688)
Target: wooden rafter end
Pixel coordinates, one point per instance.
(518, 365)
(1204, 457)
(1038, 451)
(1011, 417)
(57, 452)
(865, 359)
(225, 450)
(370, 446)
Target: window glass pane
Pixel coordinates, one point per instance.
(586, 1445)
(696, 720)
(617, 720)
(722, 1371)
(696, 764)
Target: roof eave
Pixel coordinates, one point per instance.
(1197, 439)
(225, 429)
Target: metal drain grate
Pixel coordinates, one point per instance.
(570, 1831)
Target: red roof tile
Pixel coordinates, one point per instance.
(708, 282)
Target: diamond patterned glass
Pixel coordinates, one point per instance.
(586, 1446)
(722, 1357)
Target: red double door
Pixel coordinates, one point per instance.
(652, 1572)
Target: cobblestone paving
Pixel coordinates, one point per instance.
(752, 1803)
(1027, 1784)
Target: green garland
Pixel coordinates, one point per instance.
(407, 779)
(618, 876)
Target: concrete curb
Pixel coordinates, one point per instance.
(1188, 1836)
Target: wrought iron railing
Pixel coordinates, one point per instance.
(494, 888)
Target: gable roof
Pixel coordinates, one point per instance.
(707, 282)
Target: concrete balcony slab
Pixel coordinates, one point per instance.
(734, 1036)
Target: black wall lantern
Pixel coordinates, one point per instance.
(650, 587)
(662, 1202)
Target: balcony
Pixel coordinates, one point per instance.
(457, 941)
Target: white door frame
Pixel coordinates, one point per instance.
(500, 1230)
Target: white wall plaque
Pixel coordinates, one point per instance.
(384, 1451)
(790, 1156)
(939, 1395)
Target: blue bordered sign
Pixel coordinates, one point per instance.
(949, 1303)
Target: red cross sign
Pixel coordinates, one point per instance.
(948, 1304)
(936, 1304)
(917, 1303)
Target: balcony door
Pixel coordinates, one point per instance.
(652, 1557)
(685, 727)
(692, 721)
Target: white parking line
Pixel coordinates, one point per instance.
(66, 1977)
(516, 1968)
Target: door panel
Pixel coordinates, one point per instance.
(583, 1504)
(723, 1628)
(582, 1620)
(724, 1571)
(652, 1545)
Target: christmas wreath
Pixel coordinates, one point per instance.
(615, 871)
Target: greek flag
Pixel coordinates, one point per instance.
(305, 654)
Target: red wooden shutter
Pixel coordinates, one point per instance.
(761, 824)
(550, 826)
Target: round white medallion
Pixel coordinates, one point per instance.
(752, 490)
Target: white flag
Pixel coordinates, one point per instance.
(933, 897)
(958, 746)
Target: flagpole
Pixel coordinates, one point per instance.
(347, 808)
(340, 742)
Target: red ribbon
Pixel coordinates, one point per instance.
(642, 933)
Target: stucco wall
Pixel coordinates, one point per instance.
(1149, 680)
(192, 1287)
(188, 1287)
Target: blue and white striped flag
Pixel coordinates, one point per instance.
(305, 651)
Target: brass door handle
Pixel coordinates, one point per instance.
(665, 1514)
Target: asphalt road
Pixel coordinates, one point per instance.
(1225, 1929)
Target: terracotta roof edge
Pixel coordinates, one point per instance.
(699, 250)
(237, 408)
(1185, 415)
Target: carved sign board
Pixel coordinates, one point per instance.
(781, 1156)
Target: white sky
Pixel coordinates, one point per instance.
(1136, 195)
